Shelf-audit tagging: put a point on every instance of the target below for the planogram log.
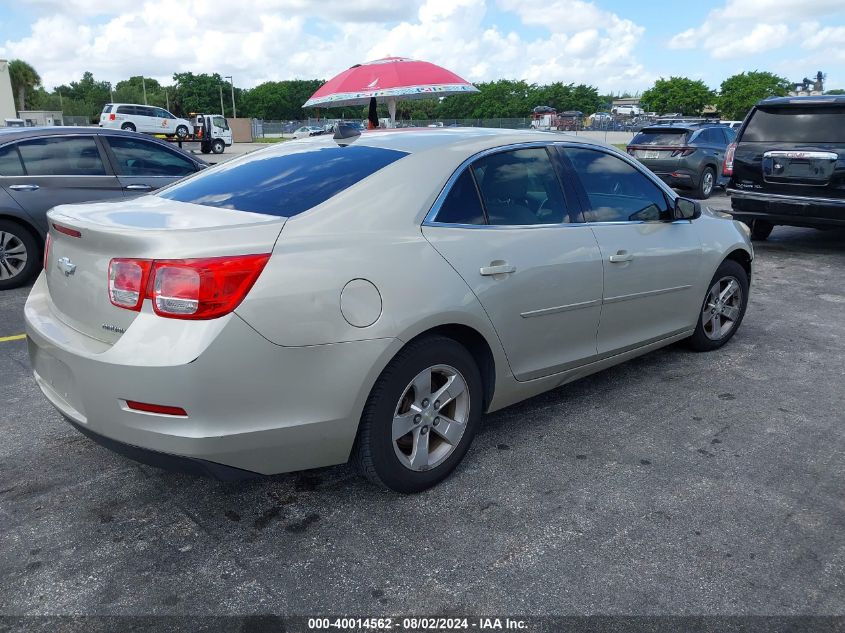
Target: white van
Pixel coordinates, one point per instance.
(143, 118)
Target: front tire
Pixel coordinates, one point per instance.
(20, 256)
(421, 416)
(706, 184)
(218, 146)
(723, 308)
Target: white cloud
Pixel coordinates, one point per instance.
(261, 40)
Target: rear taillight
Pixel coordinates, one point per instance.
(128, 281)
(728, 167)
(47, 251)
(682, 151)
(184, 288)
(111, 117)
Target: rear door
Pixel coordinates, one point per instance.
(527, 257)
(61, 170)
(793, 150)
(143, 165)
(650, 263)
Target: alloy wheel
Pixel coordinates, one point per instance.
(722, 308)
(430, 417)
(13, 255)
(707, 187)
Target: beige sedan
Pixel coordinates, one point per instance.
(369, 297)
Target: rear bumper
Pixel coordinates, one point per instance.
(789, 210)
(252, 405)
(679, 179)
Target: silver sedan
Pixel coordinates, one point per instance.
(369, 297)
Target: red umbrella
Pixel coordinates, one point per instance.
(389, 80)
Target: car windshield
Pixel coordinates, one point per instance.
(283, 183)
(797, 125)
(660, 137)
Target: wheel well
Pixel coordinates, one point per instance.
(743, 259)
(477, 345)
(36, 235)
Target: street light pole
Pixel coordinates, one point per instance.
(222, 113)
(232, 85)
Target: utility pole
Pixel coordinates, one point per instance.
(232, 85)
(222, 113)
(144, 86)
(62, 103)
(167, 99)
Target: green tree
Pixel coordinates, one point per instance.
(283, 100)
(201, 93)
(835, 91)
(85, 97)
(24, 79)
(740, 92)
(677, 94)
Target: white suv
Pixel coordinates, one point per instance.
(143, 118)
(628, 110)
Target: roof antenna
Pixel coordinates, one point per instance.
(345, 132)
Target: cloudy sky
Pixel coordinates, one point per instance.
(613, 44)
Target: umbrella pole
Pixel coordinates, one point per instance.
(391, 108)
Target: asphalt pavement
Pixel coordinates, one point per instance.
(677, 483)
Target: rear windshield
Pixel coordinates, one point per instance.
(283, 184)
(797, 125)
(660, 137)
(107, 108)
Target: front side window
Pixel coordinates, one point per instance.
(220, 122)
(617, 191)
(283, 181)
(143, 158)
(10, 161)
(56, 156)
(520, 187)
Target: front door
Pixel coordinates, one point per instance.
(59, 170)
(534, 267)
(650, 263)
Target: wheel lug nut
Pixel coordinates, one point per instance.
(425, 403)
(424, 430)
(437, 404)
(417, 418)
(436, 421)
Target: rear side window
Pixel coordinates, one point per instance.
(126, 110)
(711, 136)
(519, 187)
(283, 184)
(796, 125)
(462, 205)
(142, 158)
(70, 156)
(664, 138)
(10, 161)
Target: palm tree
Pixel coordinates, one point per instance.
(24, 77)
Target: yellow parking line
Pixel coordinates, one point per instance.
(16, 337)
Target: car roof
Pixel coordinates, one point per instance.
(814, 100)
(472, 139)
(18, 133)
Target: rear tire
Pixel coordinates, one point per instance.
(723, 308)
(129, 127)
(760, 229)
(706, 184)
(181, 132)
(440, 423)
(20, 255)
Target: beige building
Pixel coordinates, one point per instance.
(7, 99)
(41, 117)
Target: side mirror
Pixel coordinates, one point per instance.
(686, 209)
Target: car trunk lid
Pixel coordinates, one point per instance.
(85, 238)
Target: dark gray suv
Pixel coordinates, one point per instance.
(43, 167)
(685, 156)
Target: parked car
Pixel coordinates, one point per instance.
(308, 130)
(734, 125)
(788, 164)
(685, 156)
(627, 110)
(46, 166)
(386, 317)
(146, 119)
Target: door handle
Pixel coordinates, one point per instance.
(23, 187)
(621, 256)
(497, 269)
(137, 187)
